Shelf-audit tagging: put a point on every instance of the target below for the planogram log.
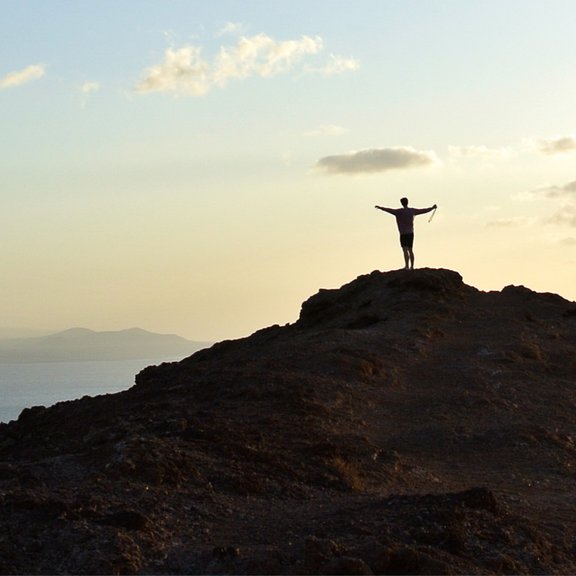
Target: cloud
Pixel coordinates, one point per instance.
(558, 145)
(565, 216)
(86, 90)
(327, 130)
(375, 160)
(261, 56)
(550, 147)
(514, 222)
(474, 151)
(89, 87)
(19, 77)
(231, 28)
(565, 191)
(336, 65)
(185, 71)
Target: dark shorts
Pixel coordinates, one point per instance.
(407, 240)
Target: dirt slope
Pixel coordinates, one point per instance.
(406, 423)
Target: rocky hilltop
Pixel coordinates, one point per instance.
(406, 423)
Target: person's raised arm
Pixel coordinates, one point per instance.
(424, 210)
(389, 210)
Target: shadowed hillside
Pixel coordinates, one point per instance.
(406, 424)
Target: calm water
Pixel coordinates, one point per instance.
(45, 383)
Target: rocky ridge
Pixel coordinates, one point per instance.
(406, 423)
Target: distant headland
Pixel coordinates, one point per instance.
(82, 344)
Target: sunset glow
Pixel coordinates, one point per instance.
(201, 168)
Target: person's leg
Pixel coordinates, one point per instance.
(407, 241)
(406, 251)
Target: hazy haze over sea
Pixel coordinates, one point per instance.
(45, 383)
(43, 370)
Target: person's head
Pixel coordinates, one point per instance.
(404, 202)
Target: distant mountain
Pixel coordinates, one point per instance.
(77, 344)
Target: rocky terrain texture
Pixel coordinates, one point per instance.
(406, 424)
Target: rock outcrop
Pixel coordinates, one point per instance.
(406, 423)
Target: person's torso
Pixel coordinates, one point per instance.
(405, 220)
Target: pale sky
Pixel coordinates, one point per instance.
(202, 167)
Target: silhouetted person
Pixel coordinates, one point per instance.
(405, 221)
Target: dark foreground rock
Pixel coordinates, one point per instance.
(406, 424)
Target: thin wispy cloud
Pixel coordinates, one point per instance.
(475, 151)
(549, 147)
(565, 216)
(231, 29)
(565, 195)
(376, 160)
(558, 145)
(185, 71)
(567, 191)
(514, 222)
(86, 90)
(90, 87)
(336, 65)
(19, 77)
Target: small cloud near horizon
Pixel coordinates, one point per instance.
(558, 145)
(376, 160)
(549, 147)
(565, 195)
(20, 77)
(565, 191)
(565, 216)
(185, 71)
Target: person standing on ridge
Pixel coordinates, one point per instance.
(405, 221)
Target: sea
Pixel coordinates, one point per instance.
(46, 383)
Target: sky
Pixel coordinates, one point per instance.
(203, 167)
